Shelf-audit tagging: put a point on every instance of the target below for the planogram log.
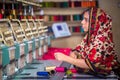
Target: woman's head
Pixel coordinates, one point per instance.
(95, 22)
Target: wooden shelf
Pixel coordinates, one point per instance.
(58, 0)
(60, 11)
(55, 11)
(77, 34)
(70, 23)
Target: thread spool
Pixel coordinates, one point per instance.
(60, 69)
(1, 16)
(43, 73)
(73, 70)
(50, 68)
(69, 73)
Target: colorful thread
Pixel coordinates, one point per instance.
(60, 69)
(43, 73)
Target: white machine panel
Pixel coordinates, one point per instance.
(60, 30)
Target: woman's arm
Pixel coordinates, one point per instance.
(73, 54)
(77, 62)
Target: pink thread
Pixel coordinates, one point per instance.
(60, 69)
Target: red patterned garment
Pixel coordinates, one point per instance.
(98, 45)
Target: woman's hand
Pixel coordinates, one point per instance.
(60, 56)
(78, 62)
(73, 55)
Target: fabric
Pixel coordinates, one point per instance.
(52, 50)
(98, 45)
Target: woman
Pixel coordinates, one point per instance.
(96, 51)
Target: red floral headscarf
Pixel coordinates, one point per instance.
(98, 45)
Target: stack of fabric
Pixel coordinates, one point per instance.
(52, 50)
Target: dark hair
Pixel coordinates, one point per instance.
(87, 10)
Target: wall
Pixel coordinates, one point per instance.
(67, 42)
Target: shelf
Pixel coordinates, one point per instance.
(70, 23)
(69, 11)
(58, 0)
(77, 34)
(60, 11)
